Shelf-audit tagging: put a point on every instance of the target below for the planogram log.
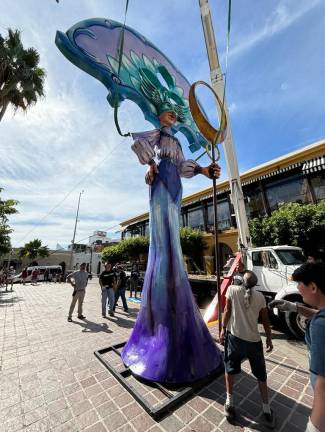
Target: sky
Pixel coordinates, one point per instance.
(68, 143)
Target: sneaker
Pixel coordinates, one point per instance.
(69, 319)
(81, 317)
(269, 419)
(111, 314)
(230, 412)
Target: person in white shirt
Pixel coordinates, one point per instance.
(79, 281)
(242, 340)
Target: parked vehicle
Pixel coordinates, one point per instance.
(274, 265)
(52, 270)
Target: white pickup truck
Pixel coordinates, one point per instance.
(274, 265)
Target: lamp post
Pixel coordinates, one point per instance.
(74, 232)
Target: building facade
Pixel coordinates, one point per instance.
(295, 177)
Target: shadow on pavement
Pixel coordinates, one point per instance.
(92, 327)
(288, 412)
(6, 301)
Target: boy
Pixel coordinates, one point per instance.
(311, 285)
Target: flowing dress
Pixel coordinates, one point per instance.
(170, 343)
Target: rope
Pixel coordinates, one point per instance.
(116, 101)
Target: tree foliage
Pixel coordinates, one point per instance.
(7, 208)
(192, 243)
(21, 79)
(293, 224)
(126, 250)
(34, 249)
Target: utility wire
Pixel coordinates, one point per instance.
(70, 192)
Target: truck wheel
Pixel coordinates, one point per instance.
(296, 324)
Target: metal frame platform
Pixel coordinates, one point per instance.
(164, 407)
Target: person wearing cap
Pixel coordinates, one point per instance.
(79, 281)
(311, 285)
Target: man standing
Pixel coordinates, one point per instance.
(107, 281)
(311, 285)
(242, 340)
(134, 280)
(79, 281)
(121, 288)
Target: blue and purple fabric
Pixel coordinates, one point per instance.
(170, 342)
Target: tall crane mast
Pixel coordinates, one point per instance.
(237, 197)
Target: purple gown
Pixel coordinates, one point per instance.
(170, 342)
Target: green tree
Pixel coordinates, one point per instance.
(113, 254)
(21, 79)
(193, 244)
(126, 250)
(34, 249)
(294, 224)
(7, 208)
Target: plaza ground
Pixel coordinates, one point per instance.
(50, 379)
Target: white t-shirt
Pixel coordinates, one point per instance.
(243, 320)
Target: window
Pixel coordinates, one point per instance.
(292, 189)
(318, 184)
(254, 202)
(290, 256)
(224, 218)
(257, 259)
(195, 218)
(264, 259)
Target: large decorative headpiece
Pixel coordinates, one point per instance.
(144, 74)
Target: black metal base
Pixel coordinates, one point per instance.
(156, 398)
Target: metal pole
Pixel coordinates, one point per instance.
(217, 81)
(216, 240)
(74, 232)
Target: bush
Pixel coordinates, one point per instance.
(293, 224)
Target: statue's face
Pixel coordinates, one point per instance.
(167, 118)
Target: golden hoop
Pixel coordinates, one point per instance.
(213, 135)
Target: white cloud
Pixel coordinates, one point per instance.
(283, 16)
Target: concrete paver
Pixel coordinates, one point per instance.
(50, 379)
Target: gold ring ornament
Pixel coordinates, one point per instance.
(213, 135)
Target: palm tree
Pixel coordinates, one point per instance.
(21, 80)
(34, 249)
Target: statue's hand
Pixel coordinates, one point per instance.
(211, 171)
(151, 174)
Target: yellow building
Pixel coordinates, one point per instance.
(298, 176)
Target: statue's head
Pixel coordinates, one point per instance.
(167, 118)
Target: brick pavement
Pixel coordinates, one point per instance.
(50, 379)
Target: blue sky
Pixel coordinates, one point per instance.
(68, 142)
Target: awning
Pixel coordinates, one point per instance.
(314, 165)
(272, 173)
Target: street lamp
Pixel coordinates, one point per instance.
(74, 232)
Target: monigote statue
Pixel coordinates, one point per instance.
(170, 342)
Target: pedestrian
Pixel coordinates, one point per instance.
(134, 280)
(107, 281)
(311, 285)
(24, 275)
(10, 277)
(35, 274)
(121, 288)
(242, 340)
(79, 280)
(46, 275)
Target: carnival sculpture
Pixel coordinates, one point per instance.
(170, 343)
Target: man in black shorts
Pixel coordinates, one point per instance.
(242, 340)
